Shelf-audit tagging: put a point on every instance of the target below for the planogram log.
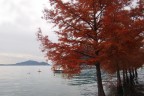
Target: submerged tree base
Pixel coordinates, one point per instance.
(136, 89)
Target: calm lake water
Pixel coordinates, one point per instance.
(27, 81)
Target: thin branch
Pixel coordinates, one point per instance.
(84, 54)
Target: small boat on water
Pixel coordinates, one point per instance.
(58, 71)
(39, 70)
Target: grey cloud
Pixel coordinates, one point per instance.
(18, 29)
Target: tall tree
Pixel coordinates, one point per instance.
(123, 33)
(123, 37)
(88, 31)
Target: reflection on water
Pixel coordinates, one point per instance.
(27, 81)
(85, 77)
(85, 82)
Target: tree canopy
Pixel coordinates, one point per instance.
(87, 27)
(106, 33)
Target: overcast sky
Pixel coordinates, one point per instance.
(19, 21)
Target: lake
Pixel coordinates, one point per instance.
(27, 81)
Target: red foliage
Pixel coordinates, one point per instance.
(93, 31)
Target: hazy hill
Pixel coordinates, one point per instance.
(26, 63)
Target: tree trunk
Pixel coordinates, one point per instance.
(99, 80)
(119, 84)
(124, 76)
(133, 74)
(136, 74)
(127, 78)
(131, 77)
(124, 82)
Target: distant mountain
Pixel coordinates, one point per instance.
(31, 62)
(27, 63)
